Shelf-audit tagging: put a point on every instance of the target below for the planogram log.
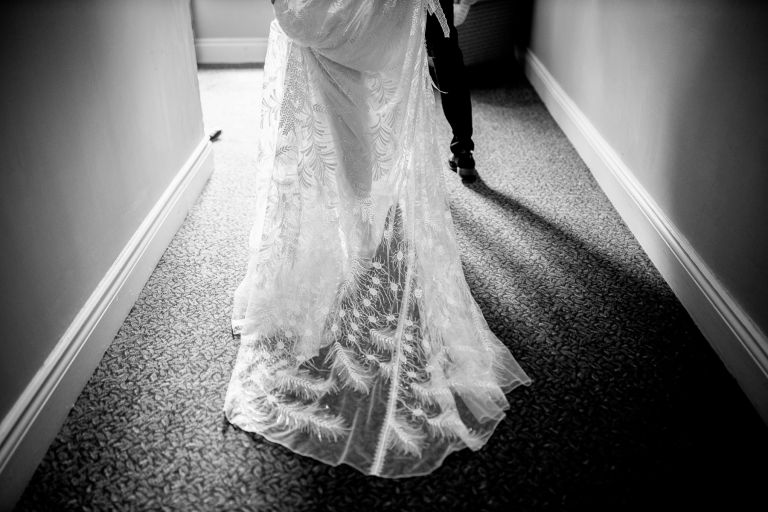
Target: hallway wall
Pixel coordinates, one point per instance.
(231, 31)
(101, 120)
(676, 91)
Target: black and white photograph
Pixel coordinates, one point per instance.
(384, 255)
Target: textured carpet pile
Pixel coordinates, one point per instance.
(629, 408)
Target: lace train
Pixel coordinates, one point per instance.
(360, 341)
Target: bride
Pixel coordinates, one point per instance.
(360, 341)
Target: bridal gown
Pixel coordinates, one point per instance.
(359, 340)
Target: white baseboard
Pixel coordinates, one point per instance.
(231, 50)
(741, 345)
(36, 417)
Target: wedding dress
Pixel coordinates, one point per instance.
(360, 341)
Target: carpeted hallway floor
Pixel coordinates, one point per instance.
(629, 408)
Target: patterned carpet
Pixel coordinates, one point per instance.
(629, 408)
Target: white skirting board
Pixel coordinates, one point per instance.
(739, 342)
(36, 417)
(231, 50)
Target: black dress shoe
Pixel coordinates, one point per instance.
(464, 164)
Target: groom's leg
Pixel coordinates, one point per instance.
(449, 71)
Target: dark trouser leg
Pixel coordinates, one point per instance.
(449, 71)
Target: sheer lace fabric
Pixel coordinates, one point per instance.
(360, 341)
